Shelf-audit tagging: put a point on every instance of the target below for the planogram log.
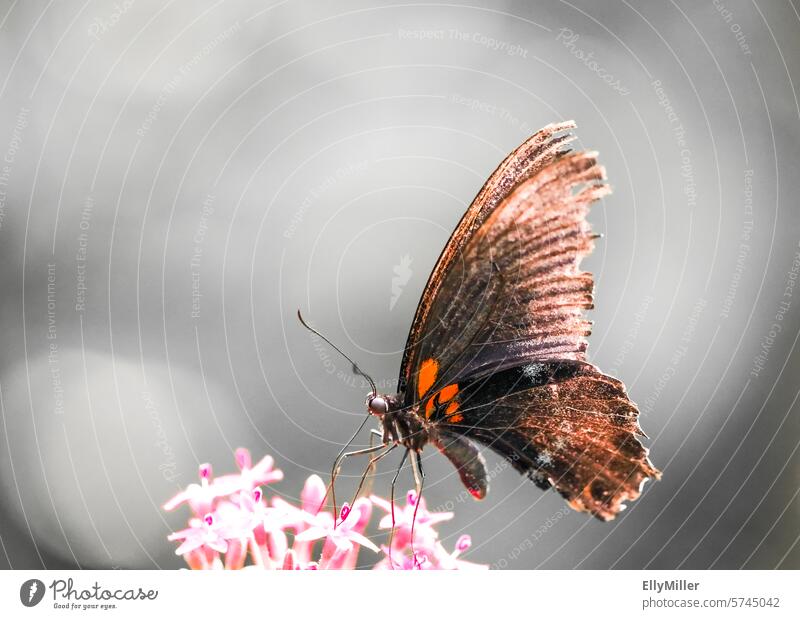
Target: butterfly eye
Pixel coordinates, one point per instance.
(378, 406)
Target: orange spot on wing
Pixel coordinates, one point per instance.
(447, 393)
(429, 409)
(427, 376)
(451, 414)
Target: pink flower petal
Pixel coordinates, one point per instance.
(363, 541)
(381, 502)
(231, 516)
(313, 494)
(311, 534)
(243, 459)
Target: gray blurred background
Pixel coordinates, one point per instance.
(178, 177)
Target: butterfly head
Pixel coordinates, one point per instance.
(377, 405)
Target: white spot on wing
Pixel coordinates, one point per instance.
(533, 371)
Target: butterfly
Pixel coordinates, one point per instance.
(496, 354)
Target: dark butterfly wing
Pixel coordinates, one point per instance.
(505, 302)
(562, 423)
(427, 332)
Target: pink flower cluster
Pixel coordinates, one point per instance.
(234, 525)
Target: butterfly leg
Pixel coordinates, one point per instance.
(419, 479)
(337, 465)
(338, 459)
(391, 501)
(371, 467)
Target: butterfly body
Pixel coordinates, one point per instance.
(400, 426)
(411, 429)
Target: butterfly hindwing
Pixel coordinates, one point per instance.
(563, 423)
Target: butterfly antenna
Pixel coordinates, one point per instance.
(356, 369)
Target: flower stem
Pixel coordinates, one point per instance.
(255, 551)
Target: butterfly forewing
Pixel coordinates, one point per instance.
(514, 293)
(523, 163)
